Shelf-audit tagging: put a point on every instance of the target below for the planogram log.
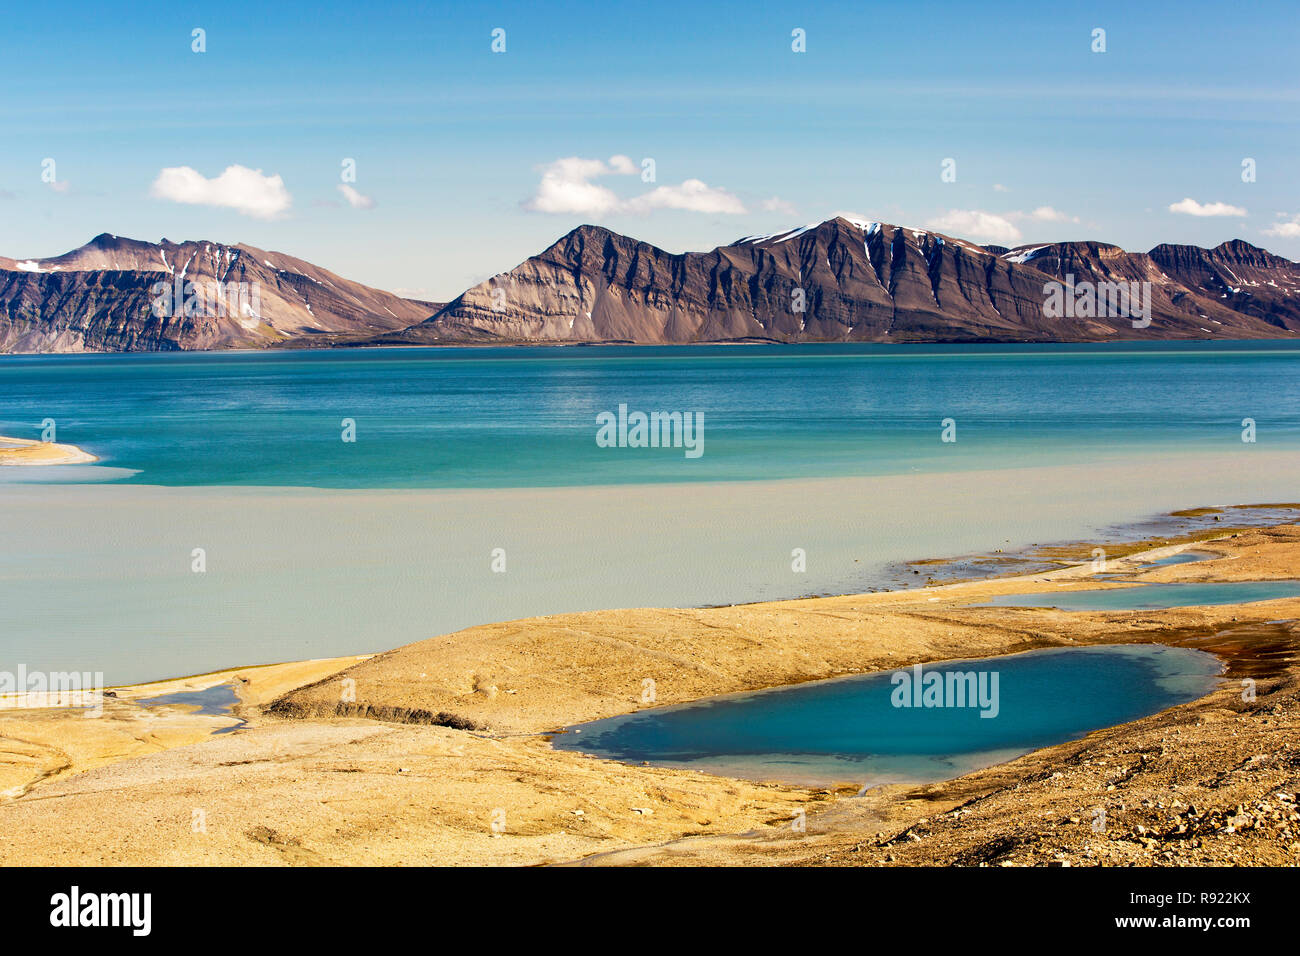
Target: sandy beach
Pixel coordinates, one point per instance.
(438, 752)
(23, 451)
(41, 745)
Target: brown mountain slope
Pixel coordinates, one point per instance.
(101, 297)
(1245, 278)
(860, 281)
(1223, 286)
(840, 280)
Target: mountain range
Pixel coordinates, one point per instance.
(833, 281)
(101, 297)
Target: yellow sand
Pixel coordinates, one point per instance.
(330, 789)
(39, 745)
(23, 451)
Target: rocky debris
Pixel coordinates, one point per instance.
(293, 709)
(1214, 782)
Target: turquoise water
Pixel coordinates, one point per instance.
(849, 729)
(496, 417)
(316, 547)
(1151, 597)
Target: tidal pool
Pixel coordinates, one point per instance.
(1151, 597)
(1182, 557)
(216, 701)
(909, 725)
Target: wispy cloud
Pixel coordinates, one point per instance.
(693, 195)
(623, 165)
(1040, 214)
(777, 204)
(854, 216)
(1285, 228)
(245, 190)
(976, 224)
(355, 199)
(1048, 214)
(566, 187)
(1191, 207)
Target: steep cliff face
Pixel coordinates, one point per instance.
(104, 297)
(96, 311)
(1245, 278)
(840, 280)
(835, 281)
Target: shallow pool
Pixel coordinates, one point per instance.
(906, 725)
(216, 701)
(1150, 597)
(1182, 557)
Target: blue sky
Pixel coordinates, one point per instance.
(452, 141)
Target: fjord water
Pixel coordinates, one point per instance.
(495, 417)
(850, 730)
(318, 547)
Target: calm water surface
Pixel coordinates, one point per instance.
(318, 547)
(525, 417)
(849, 729)
(1150, 597)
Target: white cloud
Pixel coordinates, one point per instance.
(1191, 207)
(1285, 229)
(976, 224)
(692, 196)
(1041, 214)
(567, 187)
(777, 204)
(853, 216)
(623, 165)
(355, 199)
(1048, 214)
(999, 188)
(246, 190)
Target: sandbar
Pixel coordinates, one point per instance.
(25, 451)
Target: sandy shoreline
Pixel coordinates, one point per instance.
(41, 745)
(24, 451)
(332, 785)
